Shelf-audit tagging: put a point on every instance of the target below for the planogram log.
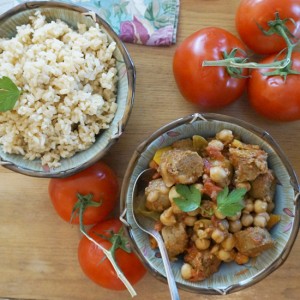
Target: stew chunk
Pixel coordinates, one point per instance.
(180, 166)
(253, 240)
(248, 161)
(175, 238)
(203, 263)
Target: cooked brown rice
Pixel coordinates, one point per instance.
(68, 80)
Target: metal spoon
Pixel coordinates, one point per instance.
(147, 225)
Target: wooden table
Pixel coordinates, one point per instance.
(38, 251)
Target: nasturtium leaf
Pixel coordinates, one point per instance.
(9, 94)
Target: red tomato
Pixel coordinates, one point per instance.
(98, 268)
(275, 97)
(252, 13)
(209, 87)
(98, 180)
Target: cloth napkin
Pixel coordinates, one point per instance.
(147, 22)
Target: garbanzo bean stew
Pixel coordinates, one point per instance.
(215, 201)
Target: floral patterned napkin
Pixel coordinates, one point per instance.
(147, 22)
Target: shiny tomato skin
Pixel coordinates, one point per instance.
(274, 97)
(97, 267)
(253, 12)
(99, 180)
(208, 87)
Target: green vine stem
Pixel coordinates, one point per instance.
(108, 253)
(277, 26)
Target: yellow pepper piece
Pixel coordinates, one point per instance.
(159, 152)
(274, 219)
(199, 142)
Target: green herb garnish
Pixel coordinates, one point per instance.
(190, 197)
(229, 204)
(9, 94)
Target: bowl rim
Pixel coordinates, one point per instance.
(252, 128)
(131, 77)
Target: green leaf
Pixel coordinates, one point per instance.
(229, 204)
(190, 197)
(9, 94)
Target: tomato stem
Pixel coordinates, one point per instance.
(108, 253)
(83, 201)
(281, 29)
(277, 26)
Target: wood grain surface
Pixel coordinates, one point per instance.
(38, 251)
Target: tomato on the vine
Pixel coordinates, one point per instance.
(209, 87)
(96, 187)
(276, 97)
(95, 264)
(254, 15)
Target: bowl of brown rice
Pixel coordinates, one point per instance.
(77, 84)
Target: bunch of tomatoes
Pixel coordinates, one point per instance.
(89, 198)
(274, 93)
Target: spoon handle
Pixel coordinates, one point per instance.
(170, 277)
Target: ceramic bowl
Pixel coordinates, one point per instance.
(72, 14)
(230, 277)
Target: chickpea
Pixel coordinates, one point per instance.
(216, 144)
(265, 215)
(215, 249)
(229, 243)
(173, 194)
(199, 187)
(249, 206)
(189, 220)
(167, 217)
(224, 225)
(218, 214)
(218, 236)
(219, 175)
(202, 234)
(209, 232)
(225, 136)
(186, 271)
(235, 226)
(202, 244)
(260, 206)
(202, 224)
(241, 259)
(247, 220)
(153, 196)
(260, 221)
(235, 217)
(226, 255)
